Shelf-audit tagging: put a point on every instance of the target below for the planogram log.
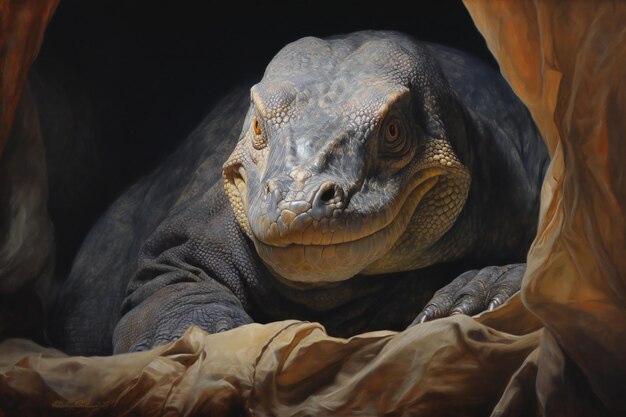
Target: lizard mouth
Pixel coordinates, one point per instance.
(316, 256)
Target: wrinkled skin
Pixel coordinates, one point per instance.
(361, 174)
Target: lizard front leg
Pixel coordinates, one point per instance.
(474, 291)
(168, 312)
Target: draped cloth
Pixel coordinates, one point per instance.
(556, 348)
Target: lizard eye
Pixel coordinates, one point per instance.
(392, 132)
(256, 126)
(395, 142)
(259, 141)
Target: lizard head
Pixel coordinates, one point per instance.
(346, 162)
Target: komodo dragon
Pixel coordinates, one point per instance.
(365, 171)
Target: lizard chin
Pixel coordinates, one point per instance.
(319, 264)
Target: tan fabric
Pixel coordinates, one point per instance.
(26, 233)
(449, 367)
(566, 62)
(22, 26)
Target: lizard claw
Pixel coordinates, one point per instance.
(473, 292)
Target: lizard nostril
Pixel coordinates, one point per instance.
(330, 192)
(328, 195)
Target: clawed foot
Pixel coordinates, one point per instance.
(474, 291)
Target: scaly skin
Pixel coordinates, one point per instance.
(324, 128)
(369, 171)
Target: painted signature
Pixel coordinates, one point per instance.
(85, 403)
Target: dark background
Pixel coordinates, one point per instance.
(142, 74)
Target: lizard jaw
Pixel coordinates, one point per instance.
(341, 261)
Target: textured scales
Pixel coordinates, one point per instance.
(315, 126)
(365, 172)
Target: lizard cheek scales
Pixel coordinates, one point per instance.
(333, 170)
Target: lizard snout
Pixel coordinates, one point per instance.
(303, 212)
